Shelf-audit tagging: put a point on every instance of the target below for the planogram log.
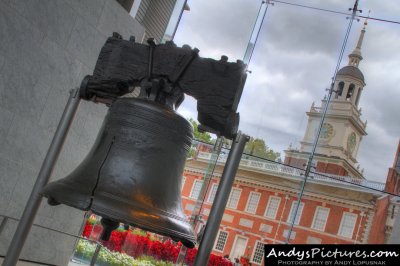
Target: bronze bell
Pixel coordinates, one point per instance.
(133, 172)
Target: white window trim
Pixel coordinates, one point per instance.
(301, 208)
(193, 186)
(313, 237)
(234, 244)
(209, 195)
(342, 221)
(248, 202)
(230, 195)
(183, 182)
(315, 216)
(254, 252)
(216, 240)
(286, 233)
(269, 203)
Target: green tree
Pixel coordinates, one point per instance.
(202, 136)
(257, 147)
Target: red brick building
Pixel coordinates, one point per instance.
(262, 201)
(339, 205)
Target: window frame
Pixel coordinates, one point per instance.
(299, 213)
(211, 192)
(315, 216)
(183, 182)
(230, 198)
(193, 186)
(217, 239)
(269, 204)
(248, 202)
(342, 224)
(313, 238)
(285, 234)
(254, 252)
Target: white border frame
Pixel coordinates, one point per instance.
(248, 201)
(269, 203)
(341, 224)
(230, 195)
(234, 244)
(216, 241)
(292, 209)
(194, 183)
(209, 194)
(183, 182)
(254, 251)
(315, 216)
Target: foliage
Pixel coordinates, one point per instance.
(244, 261)
(136, 247)
(92, 219)
(257, 147)
(138, 231)
(116, 241)
(84, 251)
(203, 136)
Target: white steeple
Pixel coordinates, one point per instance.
(343, 128)
(355, 57)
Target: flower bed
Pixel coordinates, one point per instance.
(84, 252)
(138, 244)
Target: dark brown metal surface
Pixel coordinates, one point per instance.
(165, 73)
(133, 172)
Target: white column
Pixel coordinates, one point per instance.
(345, 90)
(355, 95)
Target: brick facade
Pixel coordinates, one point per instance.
(362, 208)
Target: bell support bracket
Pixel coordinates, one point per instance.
(163, 73)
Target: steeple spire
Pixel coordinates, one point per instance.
(355, 56)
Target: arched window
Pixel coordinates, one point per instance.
(358, 96)
(340, 89)
(350, 91)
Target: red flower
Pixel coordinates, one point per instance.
(87, 230)
(137, 245)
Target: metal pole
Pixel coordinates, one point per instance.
(95, 255)
(194, 219)
(42, 179)
(262, 11)
(3, 224)
(325, 110)
(221, 198)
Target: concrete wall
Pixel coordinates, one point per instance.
(154, 16)
(46, 48)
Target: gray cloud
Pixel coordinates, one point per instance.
(293, 63)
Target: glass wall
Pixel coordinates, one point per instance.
(320, 109)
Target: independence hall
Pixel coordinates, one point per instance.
(339, 206)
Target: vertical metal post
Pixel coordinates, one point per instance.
(174, 21)
(42, 179)
(262, 11)
(324, 112)
(95, 255)
(395, 236)
(194, 219)
(3, 224)
(221, 198)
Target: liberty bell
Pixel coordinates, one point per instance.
(133, 172)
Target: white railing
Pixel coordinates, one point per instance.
(340, 107)
(273, 167)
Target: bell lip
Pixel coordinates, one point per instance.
(153, 225)
(63, 187)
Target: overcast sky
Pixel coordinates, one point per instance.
(292, 65)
